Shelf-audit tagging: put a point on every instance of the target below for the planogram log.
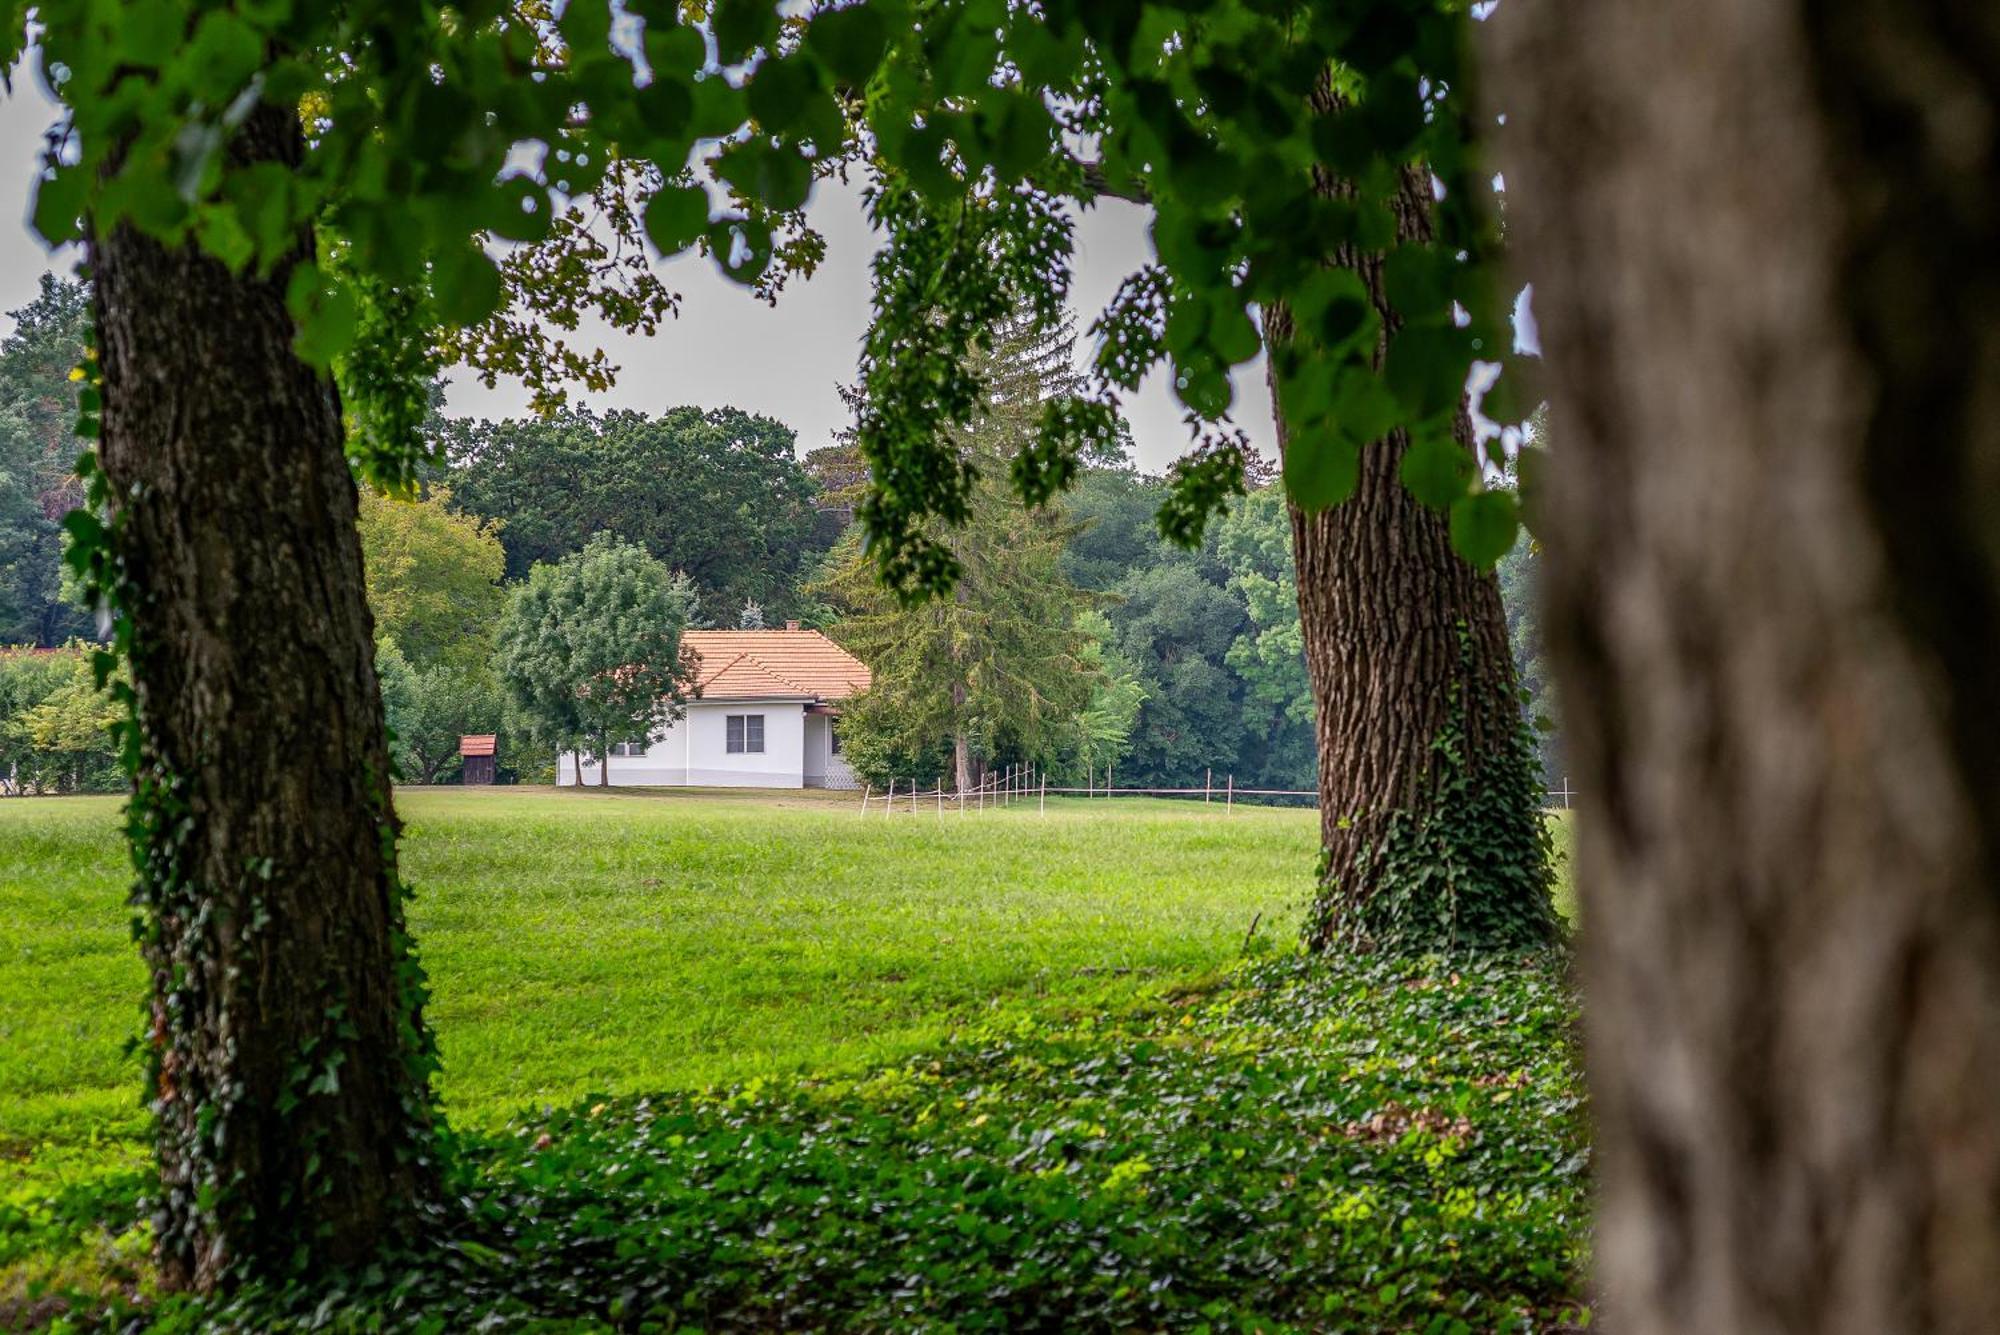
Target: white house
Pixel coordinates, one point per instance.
(761, 716)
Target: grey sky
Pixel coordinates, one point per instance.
(726, 347)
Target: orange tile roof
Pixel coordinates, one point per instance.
(774, 664)
(476, 744)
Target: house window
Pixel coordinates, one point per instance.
(833, 735)
(628, 748)
(745, 734)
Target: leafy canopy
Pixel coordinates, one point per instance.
(443, 135)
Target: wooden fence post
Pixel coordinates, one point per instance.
(1207, 785)
(865, 790)
(1230, 808)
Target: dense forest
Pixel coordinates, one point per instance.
(1161, 664)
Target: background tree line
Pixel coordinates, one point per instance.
(1172, 663)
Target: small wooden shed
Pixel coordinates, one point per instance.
(476, 753)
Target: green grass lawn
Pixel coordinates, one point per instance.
(581, 942)
(997, 1071)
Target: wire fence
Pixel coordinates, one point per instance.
(1017, 785)
(1022, 784)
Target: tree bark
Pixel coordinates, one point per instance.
(1405, 640)
(1765, 241)
(289, 1060)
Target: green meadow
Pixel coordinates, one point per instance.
(583, 942)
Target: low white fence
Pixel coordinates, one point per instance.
(1019, 784)
(1023, 783)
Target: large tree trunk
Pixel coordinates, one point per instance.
(1423, 761)
(1765, 240)
(289, 1059)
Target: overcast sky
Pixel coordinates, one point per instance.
(726, 347)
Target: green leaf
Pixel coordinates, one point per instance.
(849, 42)
(59, 204)
(779, 91)
(324, 313)
(777, 177)
(221, 233)
(1515, 395)
(1362, 407)
(1426, 369)
(742, 250)
(1320, 468)
(225, 52)
(150, 31)
(1436, 469)
(1203, 386)
(1484, 526)
(666, 109)
(676, 218)
(741, 26)
(262, 196)
(520, 210)
(1413, 284)
(1233, 335)
(673, 51)
(466, 284)
(1017, 131)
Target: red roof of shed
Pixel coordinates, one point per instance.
(477, 744)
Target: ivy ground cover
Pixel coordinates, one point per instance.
(726, 1063)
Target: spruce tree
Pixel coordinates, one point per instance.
(999, 666)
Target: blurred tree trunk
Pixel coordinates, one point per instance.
(1404, 641)
(1765, 241)
(289, 1061)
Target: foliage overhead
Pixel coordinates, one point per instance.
(440, 137)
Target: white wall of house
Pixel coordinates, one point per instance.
(819, 749)
(693, 751)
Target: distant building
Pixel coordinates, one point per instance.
(762, 716)
(476, 757)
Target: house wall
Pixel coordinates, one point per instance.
(819, 748)
(692, 752)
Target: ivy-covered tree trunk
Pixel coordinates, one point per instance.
(289, 1063)
(1765, 242)
(1431, 820)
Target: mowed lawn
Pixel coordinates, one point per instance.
(584, 942)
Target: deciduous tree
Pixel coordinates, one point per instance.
(714, 493)
(590, 648)
(433, 579)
